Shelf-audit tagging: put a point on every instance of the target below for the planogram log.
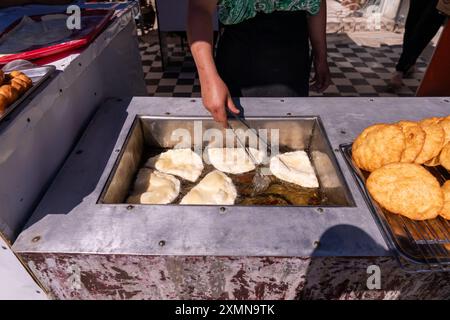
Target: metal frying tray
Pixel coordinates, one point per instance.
(421, 246)
(296, 133)
(38, 74)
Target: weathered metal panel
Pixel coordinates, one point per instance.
(15, 281)
(90, 276)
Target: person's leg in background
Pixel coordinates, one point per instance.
(422, 24)
(416, 8)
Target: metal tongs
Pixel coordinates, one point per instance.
(255, 132)
(261, 181)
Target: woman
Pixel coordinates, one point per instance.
(422, 24)
(263, 49)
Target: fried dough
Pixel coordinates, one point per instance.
(428, 121)
(153, 187)
(407, 189)
(434, 141)
(215, 188)
(234, 160)
(12, 86)
(445, 124)
(294, 167)
(445, 212)
(444, 157)
(433, 162)
(377, 146)
(414, 140)
(183, 163)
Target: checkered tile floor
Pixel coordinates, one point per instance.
(356, 71)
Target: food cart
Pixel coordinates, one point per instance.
(83, 241)
(72, 148)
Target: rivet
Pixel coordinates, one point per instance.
(36, 239)
(28, 120)
(320, 210)
(162, 243)
(371, 100)
(222, 209)
(38, 292)
(282, 100)
(167, 113)
(117, 150)
(446, 100)
(193, 100)
(289, 114)
(130, 207)
(4, 248)
(343, 132)
(336, 150)
(316, 243)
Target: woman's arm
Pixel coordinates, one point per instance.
(215, 93)
(317, 26)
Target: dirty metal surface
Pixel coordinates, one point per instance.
(69, 220)
(15, 280)
(91, 276)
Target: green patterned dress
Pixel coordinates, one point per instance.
(235, 11)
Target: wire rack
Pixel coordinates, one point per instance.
(419, 246)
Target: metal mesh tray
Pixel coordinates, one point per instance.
(420, 246)
(38, 74)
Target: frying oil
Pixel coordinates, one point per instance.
(278, 192)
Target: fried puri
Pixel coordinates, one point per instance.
(434, 141)
(444, 157)
(25, 79)
(428, 121)
(10, 93)
(14, 85)
(445, 212)
(407, 189)
(414, 140)
(445, 124)
(3, 103)
(377, 146)
(20, 85)
(14, 74)
(433, 162)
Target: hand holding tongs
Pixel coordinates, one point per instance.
(255, 132)
(260, 181)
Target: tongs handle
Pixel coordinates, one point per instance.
(247, 150)
(255, 132)
(245, 123)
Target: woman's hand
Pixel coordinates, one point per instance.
(215, 94)
(322, 77)
(216, 98)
